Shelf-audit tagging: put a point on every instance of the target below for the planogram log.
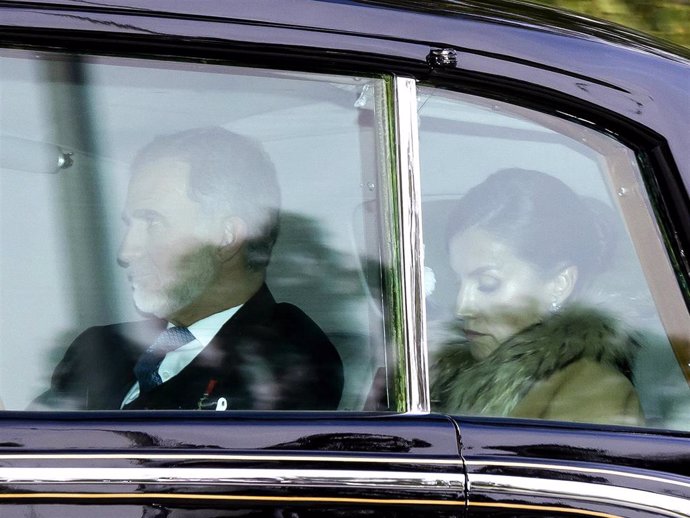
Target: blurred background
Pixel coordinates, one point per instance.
(666, 19)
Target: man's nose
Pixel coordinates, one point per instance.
(129, 248)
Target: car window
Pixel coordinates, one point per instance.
(194, 236)
(549, 291)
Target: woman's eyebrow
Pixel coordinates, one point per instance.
(483, 269)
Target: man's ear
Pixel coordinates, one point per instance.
(562, 285)
(234, 234)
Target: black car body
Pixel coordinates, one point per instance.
(387, 455)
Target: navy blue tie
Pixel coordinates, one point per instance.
(146, 369)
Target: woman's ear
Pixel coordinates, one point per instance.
(562, 285)
(234, 234)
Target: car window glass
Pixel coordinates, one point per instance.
(549, 292)
(179, 235)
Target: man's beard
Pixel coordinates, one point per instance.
(197, 271)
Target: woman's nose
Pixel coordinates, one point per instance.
(465, 303)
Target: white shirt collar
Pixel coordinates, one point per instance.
(205, 329)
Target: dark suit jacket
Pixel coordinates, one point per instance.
(268, 356)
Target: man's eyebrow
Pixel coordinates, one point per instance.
(146, 214)
(141, 214)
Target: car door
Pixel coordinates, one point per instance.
(580, 191)
(79, 104)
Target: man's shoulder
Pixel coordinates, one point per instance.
(135, 332)
(280, 327)
(295, 325)
(262, 311)
(291, 314)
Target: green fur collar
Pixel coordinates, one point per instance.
(494, 385)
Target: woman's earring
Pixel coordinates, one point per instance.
(555, 306)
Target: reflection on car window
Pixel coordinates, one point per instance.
(186, 240)
(541, 307)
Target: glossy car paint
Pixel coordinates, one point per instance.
(601, 75)
(371, 459)
(614, 459)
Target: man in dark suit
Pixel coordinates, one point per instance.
(202, 217)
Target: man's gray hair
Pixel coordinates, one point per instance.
(230, 174)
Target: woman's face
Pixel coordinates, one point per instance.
(499, 293)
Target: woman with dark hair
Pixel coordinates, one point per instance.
(524, 246)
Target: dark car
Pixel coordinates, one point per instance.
(431, 258)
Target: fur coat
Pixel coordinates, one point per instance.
(573, 366)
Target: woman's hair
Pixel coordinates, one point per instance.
(541, 218)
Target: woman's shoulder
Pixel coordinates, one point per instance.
(584, 391)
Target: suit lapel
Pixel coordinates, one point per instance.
(256, 311)
(133, 339)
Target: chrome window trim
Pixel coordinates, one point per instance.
(638, 475)
(584, 491)
(341, 459)
(406, 139)
(230, 457)
(313, 478)
(199, 498)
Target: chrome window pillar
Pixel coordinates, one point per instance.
(413, 349)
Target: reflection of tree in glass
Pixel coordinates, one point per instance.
(667, 19)
(327, 284)
(311, 274)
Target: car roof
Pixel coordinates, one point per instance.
(367, 15)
